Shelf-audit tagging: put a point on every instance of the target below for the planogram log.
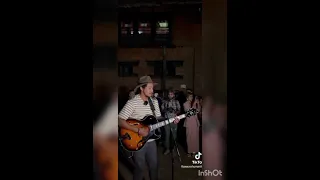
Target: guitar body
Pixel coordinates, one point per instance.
(132, 141)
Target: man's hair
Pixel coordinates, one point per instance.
(139, 91)
(189, 94)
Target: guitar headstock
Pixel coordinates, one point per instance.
(191, 112)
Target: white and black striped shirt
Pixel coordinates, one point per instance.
(135, 109)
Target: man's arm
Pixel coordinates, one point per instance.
(124, 114)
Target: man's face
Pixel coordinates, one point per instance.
(148, 90)
(171, 95)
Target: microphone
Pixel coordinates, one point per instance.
(145, 103)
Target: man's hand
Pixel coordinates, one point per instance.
(176, 120)
(143, 132)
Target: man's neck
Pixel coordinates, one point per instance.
(143, 97)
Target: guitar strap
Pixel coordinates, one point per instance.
(154, 114)
(152, 107)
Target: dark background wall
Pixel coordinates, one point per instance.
(186, 37)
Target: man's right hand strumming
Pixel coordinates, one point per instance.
(143, 132)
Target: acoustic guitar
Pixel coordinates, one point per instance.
(131, 141)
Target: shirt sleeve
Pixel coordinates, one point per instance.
(127, 110)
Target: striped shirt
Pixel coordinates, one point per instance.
(135, 109)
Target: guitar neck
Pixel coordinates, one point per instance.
(166, 122)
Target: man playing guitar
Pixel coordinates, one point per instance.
(137, 108)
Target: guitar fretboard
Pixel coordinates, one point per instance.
(166, 122)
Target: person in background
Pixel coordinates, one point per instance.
(131, 94)
(181, 96)
(201, 104)
(192, 125)
(156, 95)
(170, 108)
(214, 136)
(200, 101)
(199, 107)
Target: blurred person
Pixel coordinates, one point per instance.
(156, 95)
(131, 94)
(181, 96)
(137, 108)
(199, 99)
(192, 125)
(170, 108)
(189, 91)
(183, 88)
(201, 106)
(214, 137)
(105, 142)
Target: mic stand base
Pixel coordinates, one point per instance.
(172, 153)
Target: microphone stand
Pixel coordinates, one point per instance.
(172, 156)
